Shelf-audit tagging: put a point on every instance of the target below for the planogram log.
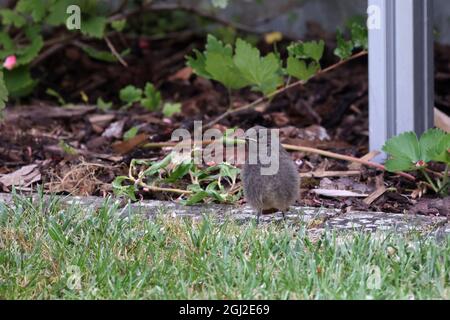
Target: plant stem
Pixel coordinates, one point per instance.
(445, 180)
(430, 181)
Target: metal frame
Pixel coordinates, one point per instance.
(401, 70)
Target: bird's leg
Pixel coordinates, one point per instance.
(258, 215)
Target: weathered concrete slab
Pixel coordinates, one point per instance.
(316, 220)
(380, 221)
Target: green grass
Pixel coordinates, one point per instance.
(48, 251)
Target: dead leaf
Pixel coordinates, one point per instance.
(125, 147)
(23, 177)
(115, 130)
(183, 74)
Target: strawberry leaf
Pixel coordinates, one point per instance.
(308, 50)
(300, 69)
(262, 72)
(404, 151)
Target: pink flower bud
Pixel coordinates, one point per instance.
(10, 62)
(421, 164)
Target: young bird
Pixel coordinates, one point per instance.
(274, 191)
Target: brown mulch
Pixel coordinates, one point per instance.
(330, 112)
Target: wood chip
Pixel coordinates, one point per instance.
(338, 193)
(327, 174)
(127, 146)
(375, 195)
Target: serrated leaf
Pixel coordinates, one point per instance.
(198, 64)
(300, 69)
(37, 9)
(404, 149)
(429, 140)
(94, 26)
(12, 18)
(344, 49)
(170, 109)
(152, 98)
(262, 72)
(360, 36)
(308, 50)
(222, 69)
(439, 150)
(130, 94)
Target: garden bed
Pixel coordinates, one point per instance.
(80, 150)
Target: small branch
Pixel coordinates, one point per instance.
(281, 90)
(115, 53)
(345, 158)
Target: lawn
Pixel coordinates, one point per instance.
(48, 251)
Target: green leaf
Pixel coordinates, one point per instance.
(155, 167)
(27, 54)
(217, 63)
(19, 82)
(360, 36)
(307, 50)
(10, 17)
(180, 171)
(170, 109)
(58, 11)
(130, 94)
(101, 55)
(102, 105)
(67, 149)
(126, 190)
(264, 73)
(195, 198)
(198, 64)
(3, 94)
(152, 98)
(131, 133)
(94, 26)
(119, 25)
(344, 48)
(6, 45)
(428, 141)
(437, 149)
(404, 151)
(222, 69)
(54, 93)
(37, 9)
(300, 69)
